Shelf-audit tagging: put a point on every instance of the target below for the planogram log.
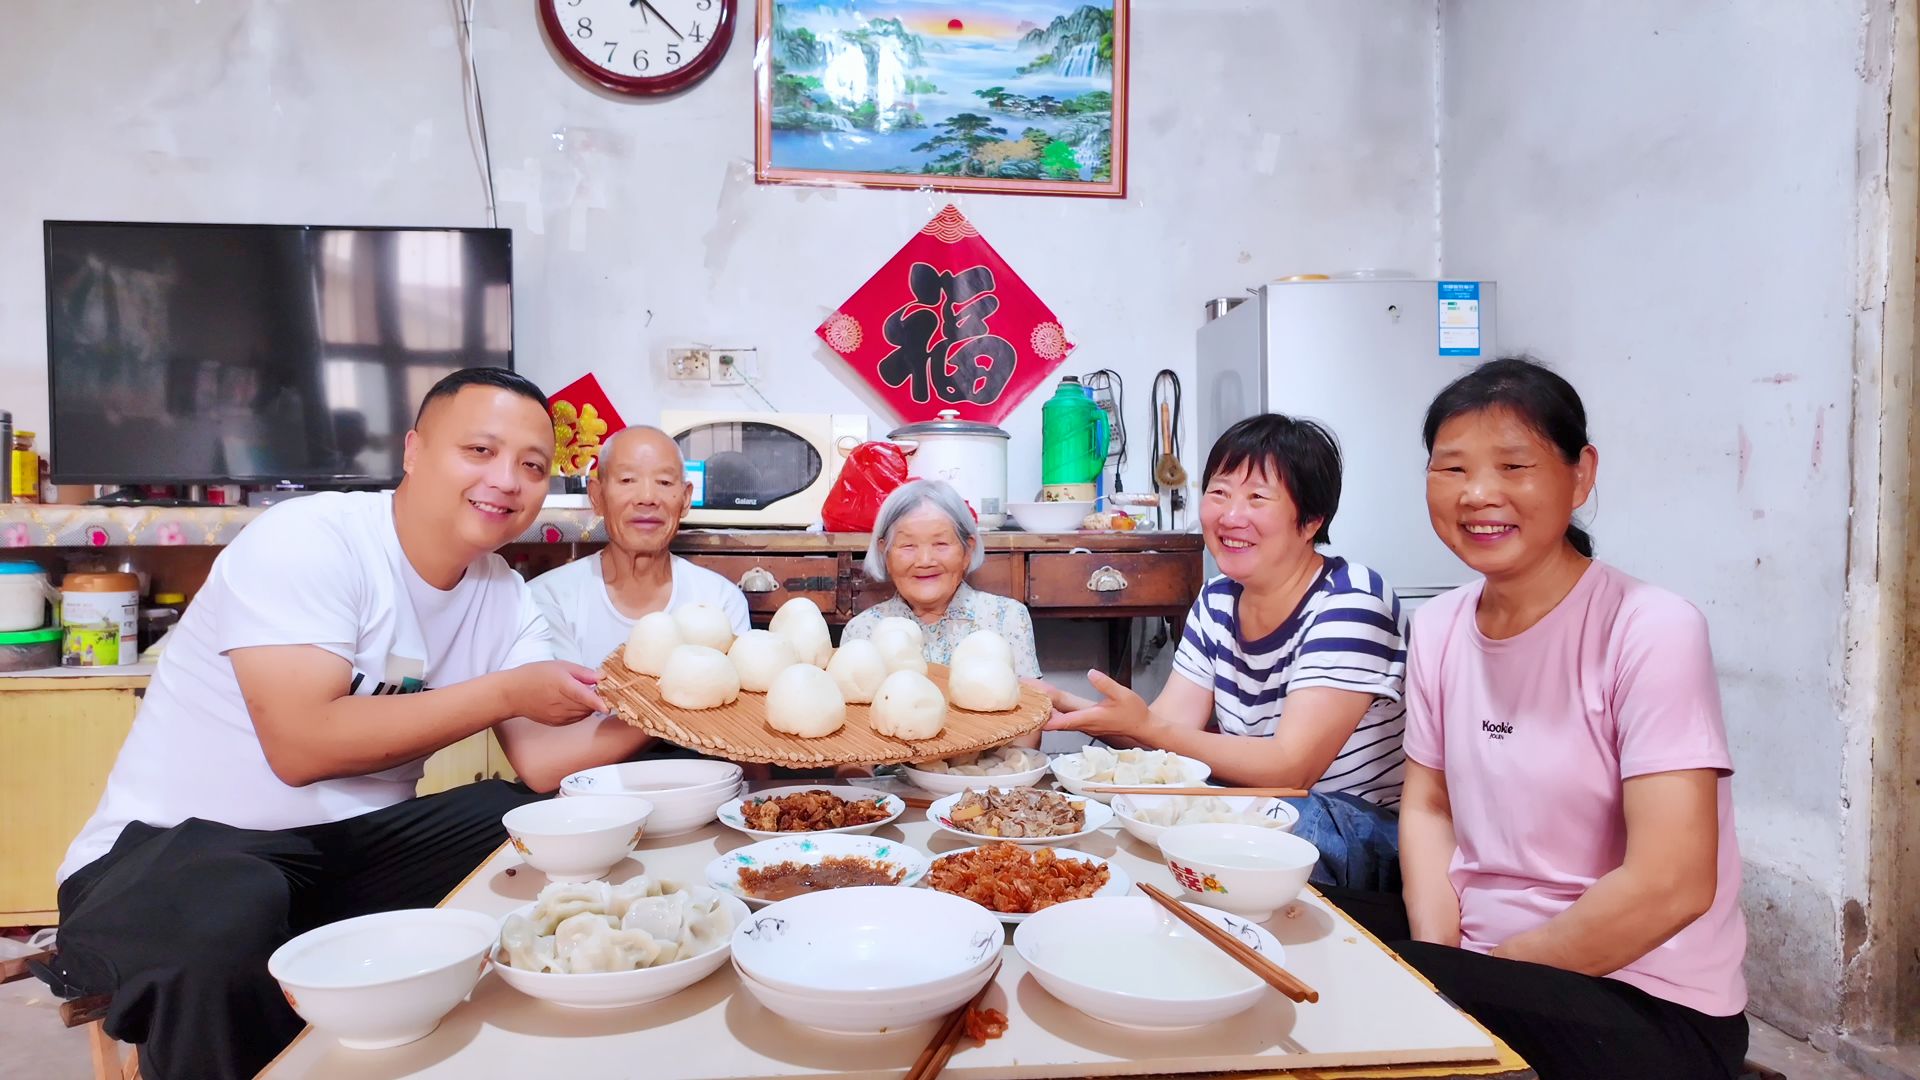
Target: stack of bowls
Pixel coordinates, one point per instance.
(577, 839)
(901, 957)
(685, 792)
(387, 979)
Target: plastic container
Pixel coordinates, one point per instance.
(30, 650)
(1073, 436)
(101, 616)
(24, 593)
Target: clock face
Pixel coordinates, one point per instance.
(640, 46)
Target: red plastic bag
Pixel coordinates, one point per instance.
(871, 473)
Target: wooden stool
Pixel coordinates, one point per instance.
(87, 1012)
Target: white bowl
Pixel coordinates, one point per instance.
(1240, 868)
(1272, 813)
(384, 980)
(732, 817)
(1069, 770)
(811, 849)
(1118, 883)
(615, 989)
(893, 1013)
(867, 945)
(1129, 962)
(951, 783)
(1049, 517)
(685, 792)
(577, 839)
(1097, 817)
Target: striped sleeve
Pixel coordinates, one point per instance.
(1356, 641)
(1194, 658)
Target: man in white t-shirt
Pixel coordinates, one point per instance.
(640, 488)
(267, 784)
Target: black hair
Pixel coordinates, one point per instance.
(1304, 455)
(497, 377)
(1541, 400)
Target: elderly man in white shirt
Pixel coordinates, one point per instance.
(640, 488)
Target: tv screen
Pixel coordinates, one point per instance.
(256, 354)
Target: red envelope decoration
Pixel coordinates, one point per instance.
(947, 324)
(583, 418)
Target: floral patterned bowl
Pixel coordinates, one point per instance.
(1245, 869)
(811, 849)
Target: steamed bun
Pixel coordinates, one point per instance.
(799, 621)
(758, 656)
(699, 678)
(980, 684)
(983, 643)
(858, 669)
(909, 706)
(704, 624)
(899, 645)
(651, 641)
(804, 701)
(909, 627)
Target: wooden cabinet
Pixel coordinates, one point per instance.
(472, 759)
(61, 736)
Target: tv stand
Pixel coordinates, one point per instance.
(132, 496)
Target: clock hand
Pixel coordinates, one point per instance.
(663, 19)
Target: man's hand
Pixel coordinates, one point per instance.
(552, 692)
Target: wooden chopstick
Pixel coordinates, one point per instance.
(1271, 973)
(1224, 792)
(947, 1039)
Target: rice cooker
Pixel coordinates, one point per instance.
(968, 454)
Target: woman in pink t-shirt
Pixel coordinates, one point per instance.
(1566, 830)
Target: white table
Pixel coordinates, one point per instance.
(1373, 1011)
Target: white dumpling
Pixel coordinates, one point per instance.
(758, 656)
(985, 644)
(983, 684)
(909, 706)
(652, 640)
(805, 701)
(799, 621)
(900, 647)
(909, 627)
(560, 901)
(698, 677)
(858, 669)
(526, 948)
(704, 624)
(707, 923)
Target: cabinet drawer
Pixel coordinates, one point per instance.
(1003, 574)
(816, 577)
(1145, 581)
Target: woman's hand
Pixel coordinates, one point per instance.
(1120, 713)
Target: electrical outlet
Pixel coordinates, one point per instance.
(735, 367)
(689, 365)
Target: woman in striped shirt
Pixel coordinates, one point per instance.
(1291, 668)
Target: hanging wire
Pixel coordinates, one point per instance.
(1109, 392)
(1166, 391)
(476, 109)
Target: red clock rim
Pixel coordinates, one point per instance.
(673, 81)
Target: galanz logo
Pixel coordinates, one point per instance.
(1496, 731)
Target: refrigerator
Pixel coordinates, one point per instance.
(1363, 357)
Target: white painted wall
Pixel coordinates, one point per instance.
(1668, 194)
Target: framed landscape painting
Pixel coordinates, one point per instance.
(1017, 96)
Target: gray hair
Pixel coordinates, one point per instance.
(909, 497)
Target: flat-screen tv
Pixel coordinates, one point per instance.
(259, 354)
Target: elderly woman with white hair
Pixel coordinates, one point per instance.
(925, 543)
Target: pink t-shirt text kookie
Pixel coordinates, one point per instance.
(1536, 733)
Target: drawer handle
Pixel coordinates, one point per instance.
(759, 580)
(1107, 579)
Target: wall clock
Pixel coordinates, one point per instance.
(640, 47)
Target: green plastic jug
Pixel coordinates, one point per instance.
(1073, 436)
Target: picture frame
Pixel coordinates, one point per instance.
(1024, 97)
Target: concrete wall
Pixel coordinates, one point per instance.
(1678, 202)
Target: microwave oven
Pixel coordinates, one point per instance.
(762, 469)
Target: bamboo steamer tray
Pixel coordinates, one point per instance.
(739, 731)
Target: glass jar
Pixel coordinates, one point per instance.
(26, 468)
